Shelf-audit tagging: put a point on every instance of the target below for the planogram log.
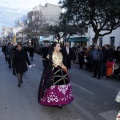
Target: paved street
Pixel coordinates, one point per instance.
(93, 99)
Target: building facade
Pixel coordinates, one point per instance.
(87, 38)
(49, 13)
(112, 39)
(7, 34)
(41, 17)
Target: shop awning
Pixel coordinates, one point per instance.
(78, 39)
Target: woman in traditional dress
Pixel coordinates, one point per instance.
(55, 88)
(19, 63)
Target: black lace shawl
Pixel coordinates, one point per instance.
(47, 77)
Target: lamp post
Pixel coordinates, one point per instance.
(81, 26)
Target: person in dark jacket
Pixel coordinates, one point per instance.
(44, 54)
(104, 61)
(74, 49)
(4, 49)
(19, 62)
(117, 54)
(31, 51)
(67, 55)
(110, 52)
(25, 48)
(9, 54)
(97, 58)
(90, 62)
(117, 61)
(110, 60)
(81, 57)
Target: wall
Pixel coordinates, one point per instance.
(106, 39)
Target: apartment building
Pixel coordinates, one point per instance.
(43, 16)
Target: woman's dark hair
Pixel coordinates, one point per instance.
(51, 50)
(53, 45)
(19, 44)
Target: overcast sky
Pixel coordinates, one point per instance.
(12, 10)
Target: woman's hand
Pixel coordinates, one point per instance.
(64, 68)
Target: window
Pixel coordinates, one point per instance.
(112, 42)
(100, 42)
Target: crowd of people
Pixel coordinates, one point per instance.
(103, 62)
(55, 87)
(17, 57)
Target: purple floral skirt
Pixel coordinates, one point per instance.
(57, 95)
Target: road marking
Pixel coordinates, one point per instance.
(82, 88)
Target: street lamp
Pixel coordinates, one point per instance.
(81, 26)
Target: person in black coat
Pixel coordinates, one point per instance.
(81, 57)
(19, 63)
(45, 53)
(104, 61)
(109, 52)
(117, 54)
(4, 49)
(25, 48)
(9, 53)
(67, 55)
(74, 49)
(97, 58)
(31, 52)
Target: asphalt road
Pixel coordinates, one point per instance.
(93, 99)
